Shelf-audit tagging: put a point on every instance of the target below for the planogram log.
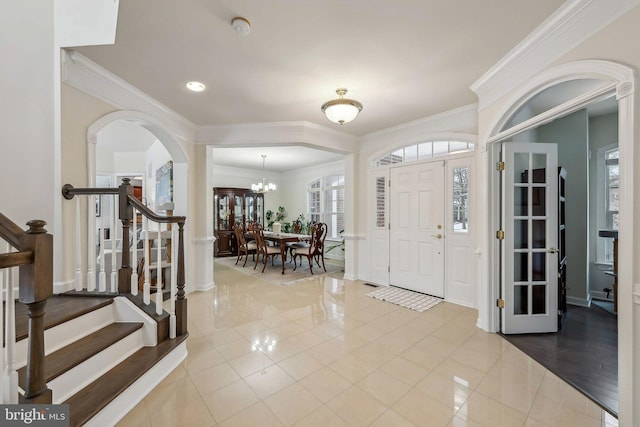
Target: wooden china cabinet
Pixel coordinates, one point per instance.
(234, 205)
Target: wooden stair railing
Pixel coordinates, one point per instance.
(126, 204)
(35, 261)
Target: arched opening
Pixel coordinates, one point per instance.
(133, 145)
(571, 92)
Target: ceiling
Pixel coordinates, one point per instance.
(403, 59)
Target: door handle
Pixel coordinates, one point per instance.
(553, 250)
(437, 236)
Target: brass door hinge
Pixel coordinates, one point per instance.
(500, 234)
(500, 303)
(500, 166)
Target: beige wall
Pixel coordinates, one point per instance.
(79, 111)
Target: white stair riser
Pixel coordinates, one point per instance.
(74, 380)
(64, 334)
(126, 311)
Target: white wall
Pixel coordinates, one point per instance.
(27, 112)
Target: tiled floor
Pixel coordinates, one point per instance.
(341, 358)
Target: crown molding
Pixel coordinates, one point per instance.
(574, 22)
(462, 119)
(276, 134)
(85, 75)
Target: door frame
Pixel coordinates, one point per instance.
(617, 80)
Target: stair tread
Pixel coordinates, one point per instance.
(92, 399)
(59, 309)
(62, 360)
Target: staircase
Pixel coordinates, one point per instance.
(99, 351)
(103, 354)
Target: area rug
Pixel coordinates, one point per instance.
(405, 298)
(273, 274)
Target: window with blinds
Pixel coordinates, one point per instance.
(381, 188)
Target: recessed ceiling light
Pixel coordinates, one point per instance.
(196, 86)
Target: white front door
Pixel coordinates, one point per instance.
(529, 248)
(417, 227)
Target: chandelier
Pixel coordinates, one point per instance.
(263, 186)
(341, 110)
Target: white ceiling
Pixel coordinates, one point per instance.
(403, 59)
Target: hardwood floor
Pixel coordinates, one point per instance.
(584, 353)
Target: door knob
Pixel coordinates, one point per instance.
(553, 250)
(437, 236)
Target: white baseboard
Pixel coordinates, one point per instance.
(126, 401)
(203, 287)
(350, 277)
(62, 287)
(580, 302)
(601, 295)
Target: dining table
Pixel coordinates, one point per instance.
(282, 239)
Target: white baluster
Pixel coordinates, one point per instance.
(134, 260)
(102, 278)
(78, 280)
(114, 235)
(146, 289)
(174, 281)
(10, 390)
(159, 272)
(91, 244)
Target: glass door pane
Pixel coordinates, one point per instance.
(237, 210)
(224, 212)
(249, 204)
(530, 221)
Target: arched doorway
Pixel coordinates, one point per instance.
(591, 81)
(161, 141)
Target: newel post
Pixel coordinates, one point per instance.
(36, 286)
(181, 300)
(125, 213)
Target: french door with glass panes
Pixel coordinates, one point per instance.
(529, 248)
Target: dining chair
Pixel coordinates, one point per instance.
(263, 249)
(296, 228)
(318, 230)
(243, 245)
(320, 248)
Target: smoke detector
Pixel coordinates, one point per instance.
(241, 26)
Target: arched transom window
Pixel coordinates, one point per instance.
(422, 151)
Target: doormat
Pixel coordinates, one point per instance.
(405, 298)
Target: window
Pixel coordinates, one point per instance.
(423, 150)
(461, 200)
(608, 199)
(613, 190)
(612, 197)
(325, 203)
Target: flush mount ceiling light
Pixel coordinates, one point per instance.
(241, 25)
(341, 110)
(263, 186)
(196, 86)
